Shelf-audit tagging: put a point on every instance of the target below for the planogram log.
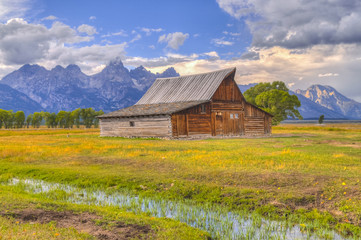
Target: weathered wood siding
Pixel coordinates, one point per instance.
(256, 121)
(192, 121)
(157, 126)
(228, 109)
(228, 91)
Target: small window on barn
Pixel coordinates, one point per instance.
(131, 123)
(236, 115)
(231, 116)
(203, 108)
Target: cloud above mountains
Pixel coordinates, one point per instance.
(22, 42)
(300, 23)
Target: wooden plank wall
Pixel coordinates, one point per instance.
(192, 121)
(228, 91)
(157, 126)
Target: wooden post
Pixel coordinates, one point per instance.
(213, 124)
(187, 124)
(178, 125)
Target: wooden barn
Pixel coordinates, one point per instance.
(208, 104)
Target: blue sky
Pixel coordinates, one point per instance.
(297, 41)
(118, 21)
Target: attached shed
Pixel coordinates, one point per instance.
(208, 104)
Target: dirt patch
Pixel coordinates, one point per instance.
(83, 222)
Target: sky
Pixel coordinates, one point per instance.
(300, 42)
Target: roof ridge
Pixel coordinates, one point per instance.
(196, 74)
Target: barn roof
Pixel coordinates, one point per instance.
(197, 87)
(152, 109)
(171, 95)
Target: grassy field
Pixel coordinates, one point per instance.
(306, 175)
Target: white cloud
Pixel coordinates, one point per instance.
(149, 31)
(13, 9)
(22, 42)
(85, 28)
(298, 24)
(174, 40)
(89, 58)
(328, 75)
(121, 33)
(92, 18)
(290, 84)
(231, 33)
(212, 55)
(221, 42)
(51, 18)
(136, 38)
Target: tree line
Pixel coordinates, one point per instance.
(62, 119)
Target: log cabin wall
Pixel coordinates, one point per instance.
(152, 126)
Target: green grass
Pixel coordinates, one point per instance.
(15, 199)
(303, 173)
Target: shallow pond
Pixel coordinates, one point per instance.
(218, 221)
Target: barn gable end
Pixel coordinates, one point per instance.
(209, 104)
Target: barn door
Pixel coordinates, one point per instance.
(219, 123)
(182, 125)
(241, 123)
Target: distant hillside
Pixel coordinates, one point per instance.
(11, 99)
(69, 88)
(330, 98)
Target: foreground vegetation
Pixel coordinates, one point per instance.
(307, 175)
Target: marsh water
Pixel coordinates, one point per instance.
(218, 221)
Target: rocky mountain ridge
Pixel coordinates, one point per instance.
(69, 88)
(330, 98)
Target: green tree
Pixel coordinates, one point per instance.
(50, 120)
(29, 120)
(87, 115)
(96, 120)
(64, 119)
(76, 117)
(275, 99)
(19, 119)
(8, 118)
(37, 118)
(253, 92)
(4, 118)
(320, 120)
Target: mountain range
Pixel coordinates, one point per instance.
(33, 88)
(69, 88)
